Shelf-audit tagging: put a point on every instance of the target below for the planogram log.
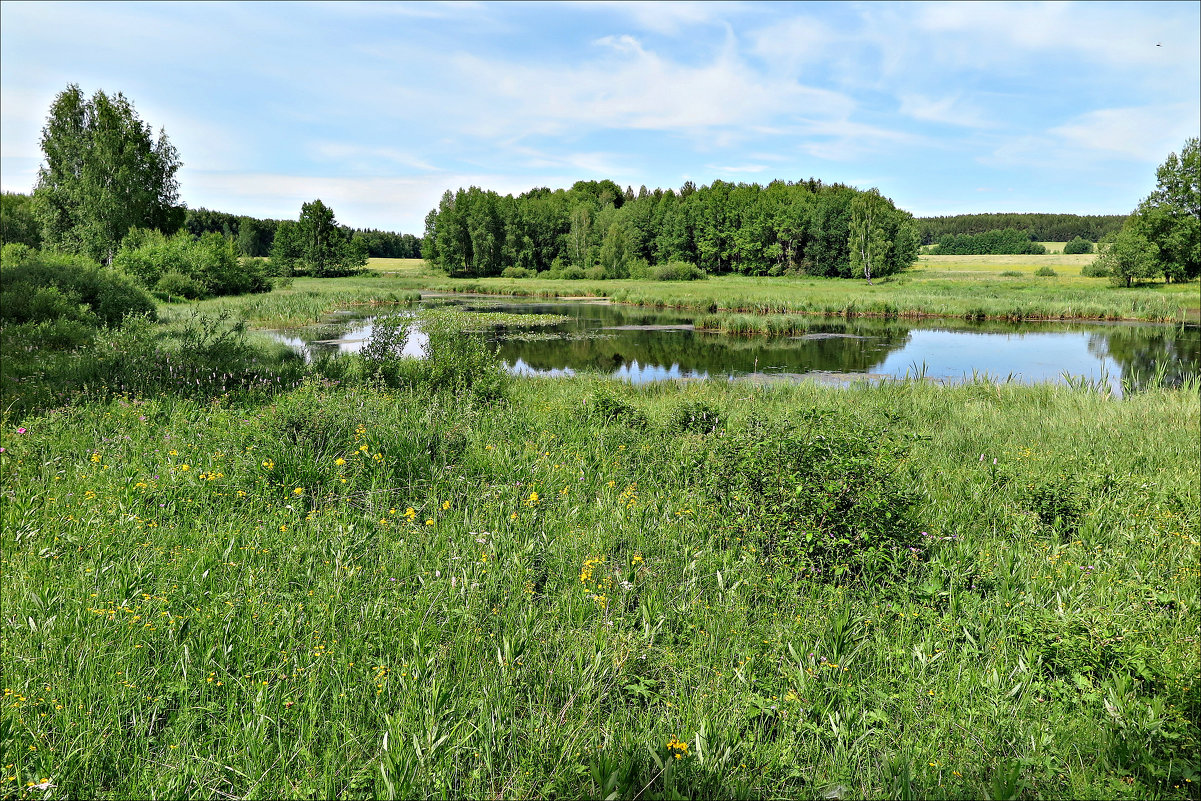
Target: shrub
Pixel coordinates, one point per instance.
(677, 271)
(517, 272)
(640, 269)
(1012, 273)
(209, 262)
(40, 287)
(1078, 245)
(819, 496)
(572, 272)
(1094, 270)
(1045, 271)
(609, 407)
(177, 286)
(695, 417)
(595, 273)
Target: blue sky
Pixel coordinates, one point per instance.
(378, 108)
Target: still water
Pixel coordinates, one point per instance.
(640, 345)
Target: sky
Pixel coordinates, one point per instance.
(378, 108)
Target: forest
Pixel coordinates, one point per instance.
(596, 230)
(1037, 227)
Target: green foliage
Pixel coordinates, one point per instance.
(1008, 241)
(1095, 269)
(1078, 245)
(819, 497)
(1041, 227)
(18, 224)
(184, 266)
(1046, 271)
(721, 228)
(517, 272)
(104, 174)
(606, 405)
(328, 250)
(677, 271)
(1170, 217)
(1128, 256)
(42, 287)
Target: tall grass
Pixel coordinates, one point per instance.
(356, 591)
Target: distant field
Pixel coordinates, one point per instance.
(943, 286)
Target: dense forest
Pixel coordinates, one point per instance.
(251, 236)
(254, 237)
(1008, 241)
(1037, 227)
(596, 229)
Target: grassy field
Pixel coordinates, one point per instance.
(974, 287)
(347, 580)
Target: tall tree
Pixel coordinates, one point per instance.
(329, 249)
(104, 174)
(1170, 217)
(868, 243)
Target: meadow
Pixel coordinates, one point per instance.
(372, 577)
(965, 287)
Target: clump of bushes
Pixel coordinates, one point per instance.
(518, 272)
(1095, 269)
(1008, 241)
(677, 271)
(50, 288)
(818, 496)
(182, 267)
(1078, 245)
(1012, 273)
(1045, 271)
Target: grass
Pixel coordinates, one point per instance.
(339, 589)
(972, 287)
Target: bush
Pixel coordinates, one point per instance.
(209, 263)
(517, 272)
(595, 273)
(640, 269)
(820, 497)
(175, 286)
(1012, 273)
(1078, 245)
(677, 271)
(696, 417)
(1008, 241)
(572, 273)
(1045, 271)
(1094, 270)
(39, 287)
(609, 407)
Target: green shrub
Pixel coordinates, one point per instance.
(208, 262)
(40, 287)
(177, 286)
(819, 497)
(1094, 269)
(1045, 271)
(1012, 273)
(517, 272)
(1078, 245)
(695, 417)
(677, 271)
(606, 405)
(595, 273)
(572, 273)
(640, 269)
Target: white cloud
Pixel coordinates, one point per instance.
(950, 110)
(1144, 133)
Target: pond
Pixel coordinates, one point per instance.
(639, 344)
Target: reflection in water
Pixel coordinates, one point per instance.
(641, 345)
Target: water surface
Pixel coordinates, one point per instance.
(640, 345)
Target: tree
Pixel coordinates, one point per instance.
(104, 174)
(327, 249)
(1078, 245)
(1170, 217)
(17, 221)
(1128, 256)
(868, 244)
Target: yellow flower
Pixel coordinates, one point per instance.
(298, 491)
(445, 505)
(339, 461)
(267, 463)
(95, 457)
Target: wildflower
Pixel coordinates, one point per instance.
(339, 461)
(267, 463)
(677, 749)
(21, 430)
(298, 491)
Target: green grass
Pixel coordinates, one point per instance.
(360, 592)
(973, 287)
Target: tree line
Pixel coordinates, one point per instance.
(1036, 227)
(1007, 241)
(596, 229)
(255, 237)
